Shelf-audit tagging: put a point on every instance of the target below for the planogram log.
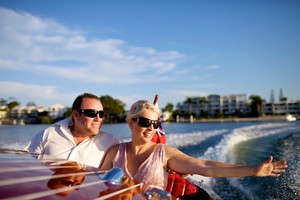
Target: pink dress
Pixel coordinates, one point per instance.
(151, 171)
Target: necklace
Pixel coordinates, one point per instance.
(139, 158)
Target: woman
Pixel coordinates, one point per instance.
(148, 162)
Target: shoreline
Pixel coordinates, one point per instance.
(236, 119)
(218, 120)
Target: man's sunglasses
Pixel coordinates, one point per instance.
(144, 122)
(92, 113)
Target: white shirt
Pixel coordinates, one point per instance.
(57, 142)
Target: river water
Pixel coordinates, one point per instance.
(236, 142)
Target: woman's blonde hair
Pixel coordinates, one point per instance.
(139, 107)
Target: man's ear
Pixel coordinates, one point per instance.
(75, 114)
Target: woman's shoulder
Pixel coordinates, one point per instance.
(117, 146)
(170, 150)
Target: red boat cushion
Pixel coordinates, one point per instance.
(179, 186)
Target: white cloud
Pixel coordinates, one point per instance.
(213, 67)
(32, 44)
(189, 93)
(50, 52)
(30, 93)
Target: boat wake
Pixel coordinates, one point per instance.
(241, 146)
(236, 146)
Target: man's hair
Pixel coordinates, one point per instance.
(77, 102)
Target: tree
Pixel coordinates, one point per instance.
(46, 120)
(256, 105)
(68, 113)
(283, 99)
(2, 102)
(31, 103)
(12, 104)
(218, 114)
(169, 107)
(114, 109)
(203, 100)
(189, 101)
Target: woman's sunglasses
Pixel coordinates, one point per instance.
(144, 122)
(92, 113)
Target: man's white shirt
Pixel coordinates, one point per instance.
(57, 142)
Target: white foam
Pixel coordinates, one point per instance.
(184, 139)
(223, 150)
(14, 145)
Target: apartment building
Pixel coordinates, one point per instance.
(214, 104)
(235, 104)
(282, 108)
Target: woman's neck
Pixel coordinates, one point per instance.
(138, 149)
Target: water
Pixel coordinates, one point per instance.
(237, 142)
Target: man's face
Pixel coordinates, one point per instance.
(88, 125)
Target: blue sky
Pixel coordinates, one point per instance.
(51, 51)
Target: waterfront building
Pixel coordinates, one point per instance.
(216, 104)
(57, 111)
(282, 108)
(235, 104)
(29, 113)
(194, 105)
(3, 111)
(17, 112)
(166, 115)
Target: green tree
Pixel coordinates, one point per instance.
(189, 101)
(114, 109)
(11, 103)
(2, 102)
(204, 114)
(219, 114)
(203, 100)
(256, 105)
(31, 103)
(68, 113)
(45, 120)
(169, 107)
(283, 99)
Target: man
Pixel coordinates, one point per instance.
(78, 138)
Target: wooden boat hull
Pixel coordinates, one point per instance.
(24, 177)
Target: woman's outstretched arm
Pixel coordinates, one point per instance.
(180, 162)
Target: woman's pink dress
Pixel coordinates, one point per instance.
(151, 171)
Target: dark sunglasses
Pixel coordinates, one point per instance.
(144, 122)
(92, 113)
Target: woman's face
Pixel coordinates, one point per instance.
(140, 133)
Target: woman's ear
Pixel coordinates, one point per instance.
(130, 123)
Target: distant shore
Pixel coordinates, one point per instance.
(236, 119)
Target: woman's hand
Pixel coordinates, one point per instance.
(269, 168)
